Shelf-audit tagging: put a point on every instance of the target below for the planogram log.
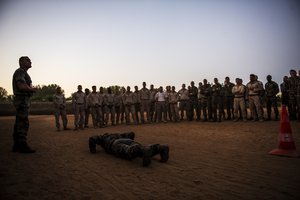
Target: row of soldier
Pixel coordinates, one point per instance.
(159, 105)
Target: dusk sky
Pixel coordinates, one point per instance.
(126, 42)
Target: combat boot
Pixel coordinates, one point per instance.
(147, 155)
(92, 144)
(164, 153)
(24, 148)
(162, 150)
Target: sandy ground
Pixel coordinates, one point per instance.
(225, 160)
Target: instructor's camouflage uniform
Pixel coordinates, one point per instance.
(21, 102)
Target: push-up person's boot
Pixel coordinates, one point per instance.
(93, 141)
(164, 153)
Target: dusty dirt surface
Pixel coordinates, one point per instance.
(227, 160)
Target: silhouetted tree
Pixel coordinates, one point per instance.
(3, 94)
(44, 92)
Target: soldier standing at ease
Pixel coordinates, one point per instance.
(153, 114)
(87, 110)
(261, 95)
(102, 110)
(183, 94)
(193, 102)
(137, 103)
(128, 100)
(168, 109)
(239, 91)
(253, 93)
(145, 103)
(216, 101)
(59, 102)
(79, 105)
(119, 107)
(109, 106)
(200, 96)
(293, 84)
(285, 93)
(173, 101)
(23, 90)
(161, 98)
(205, 91)
(93, 103)
(272, 90)
(228, 98)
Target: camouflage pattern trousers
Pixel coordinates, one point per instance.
(79, 113)
(126, 148)
(145, 107)
(255, 107)
(60, 112)
(239, 104)
(21, 127)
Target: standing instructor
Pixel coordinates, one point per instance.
(23, 90)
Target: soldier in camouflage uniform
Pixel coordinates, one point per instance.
(239, 104)
(272, 90)
(153, 114)
(294, 94)
(137, 103)
(119, 107)
(285, 93)
(253, 93)
(200, 96)
(193, 102)
(59, 102)
(168, 106)
(217, 106)
(173, 101)
(161, 98)
(123, 146)
(228, 98)
(205, 92)
(93, 103)
(102, 110)
(109, 106)
(79, 106)
(87, 110)
(128, 100)
(145, 103)
(23, 90)
(183, 94)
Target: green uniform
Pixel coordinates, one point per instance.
(21, 103)
(272, 89)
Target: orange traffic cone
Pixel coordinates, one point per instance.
(286, 146)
